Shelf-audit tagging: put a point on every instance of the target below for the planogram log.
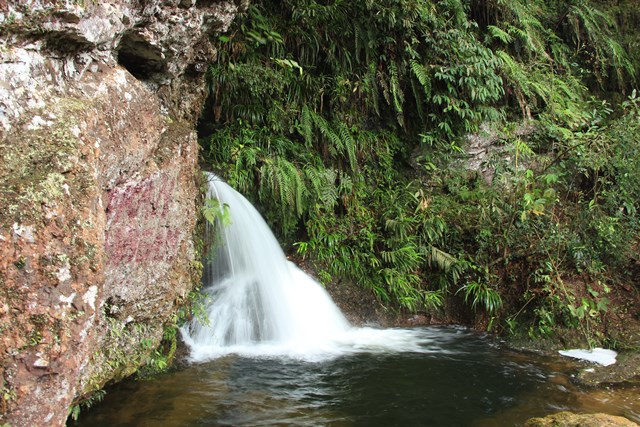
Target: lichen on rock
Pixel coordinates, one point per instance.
(99, 180)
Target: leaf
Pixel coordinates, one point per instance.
(500, 34)
(75, 412)
(603, 304)
(289, 63)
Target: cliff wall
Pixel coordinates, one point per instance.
(98, 189)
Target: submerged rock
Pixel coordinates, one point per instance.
(98, 187)
(627, 370)
(569, 419)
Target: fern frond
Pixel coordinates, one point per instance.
(325, 130)
(371, 87)
(396, 92)
(440, 259)
(382, 81)
(423, 75)
(418, 100)
(500, 34)
(323, 185)
(349, 145)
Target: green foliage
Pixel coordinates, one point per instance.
(481, 293)
(85, 402)
(159, 358)
(8, 394)
(344, 123)
(593, 35)
(212, 211)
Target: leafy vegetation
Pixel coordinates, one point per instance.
(347, 123)
(85, 402)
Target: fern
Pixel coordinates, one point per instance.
(326, 130)
(440, 259)
(281, 180)
(423, 76)
(322, 184)
(597, 28)
(371, 87)
(500, 34)
(396, 92)
(482, 295)
(349, 145)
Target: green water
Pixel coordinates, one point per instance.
(466, 380)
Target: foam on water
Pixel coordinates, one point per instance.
(597, 355)
(351, 341)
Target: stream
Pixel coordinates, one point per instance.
(456, 378)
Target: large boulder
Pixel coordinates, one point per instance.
(569, 419)
(98, 189)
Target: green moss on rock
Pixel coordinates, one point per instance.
(40, 161)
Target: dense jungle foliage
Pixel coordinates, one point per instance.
(485, 150)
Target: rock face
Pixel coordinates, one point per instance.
(98, 189)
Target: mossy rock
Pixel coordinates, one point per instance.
(43, 163)
(569, 419)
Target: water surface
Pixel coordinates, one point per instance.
(452, 378)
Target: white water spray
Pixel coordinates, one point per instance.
(259, 303)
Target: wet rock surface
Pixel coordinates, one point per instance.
(569, 419)
(625, 370)
(98, 189)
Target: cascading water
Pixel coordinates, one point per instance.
(255, 295)
(259, 303)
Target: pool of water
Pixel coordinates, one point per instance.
(457, 378)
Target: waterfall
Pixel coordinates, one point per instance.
(255, 295)
(260, 304)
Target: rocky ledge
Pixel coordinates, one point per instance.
(98, 189)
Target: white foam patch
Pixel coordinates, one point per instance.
(352, 341)
(597, 355)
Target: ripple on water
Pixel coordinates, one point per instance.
(455, 378)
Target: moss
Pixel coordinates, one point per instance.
(40, 157)
(8, 395)
(127, 347)
(48, 191)
(20, 263)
